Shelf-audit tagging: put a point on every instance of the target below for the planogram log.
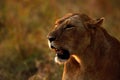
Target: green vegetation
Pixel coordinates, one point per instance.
(24, 25)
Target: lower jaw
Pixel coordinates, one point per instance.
(60, 61)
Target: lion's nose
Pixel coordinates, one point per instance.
(51, 38)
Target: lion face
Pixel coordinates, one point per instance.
(68, 37)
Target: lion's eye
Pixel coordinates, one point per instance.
(69, 26)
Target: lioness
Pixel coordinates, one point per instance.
(87, 51)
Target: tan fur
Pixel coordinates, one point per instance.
(95, 55)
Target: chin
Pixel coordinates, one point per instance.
(60, 61)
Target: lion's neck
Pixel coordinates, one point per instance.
(72, 70)
(97, 49)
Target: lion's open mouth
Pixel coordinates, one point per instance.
(62, 54)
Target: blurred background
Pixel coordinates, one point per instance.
(24, 25)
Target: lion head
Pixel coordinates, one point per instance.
(71, 35)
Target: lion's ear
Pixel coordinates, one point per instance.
(99, 21)
(95, 23)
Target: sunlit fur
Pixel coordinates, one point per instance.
(94, 54)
